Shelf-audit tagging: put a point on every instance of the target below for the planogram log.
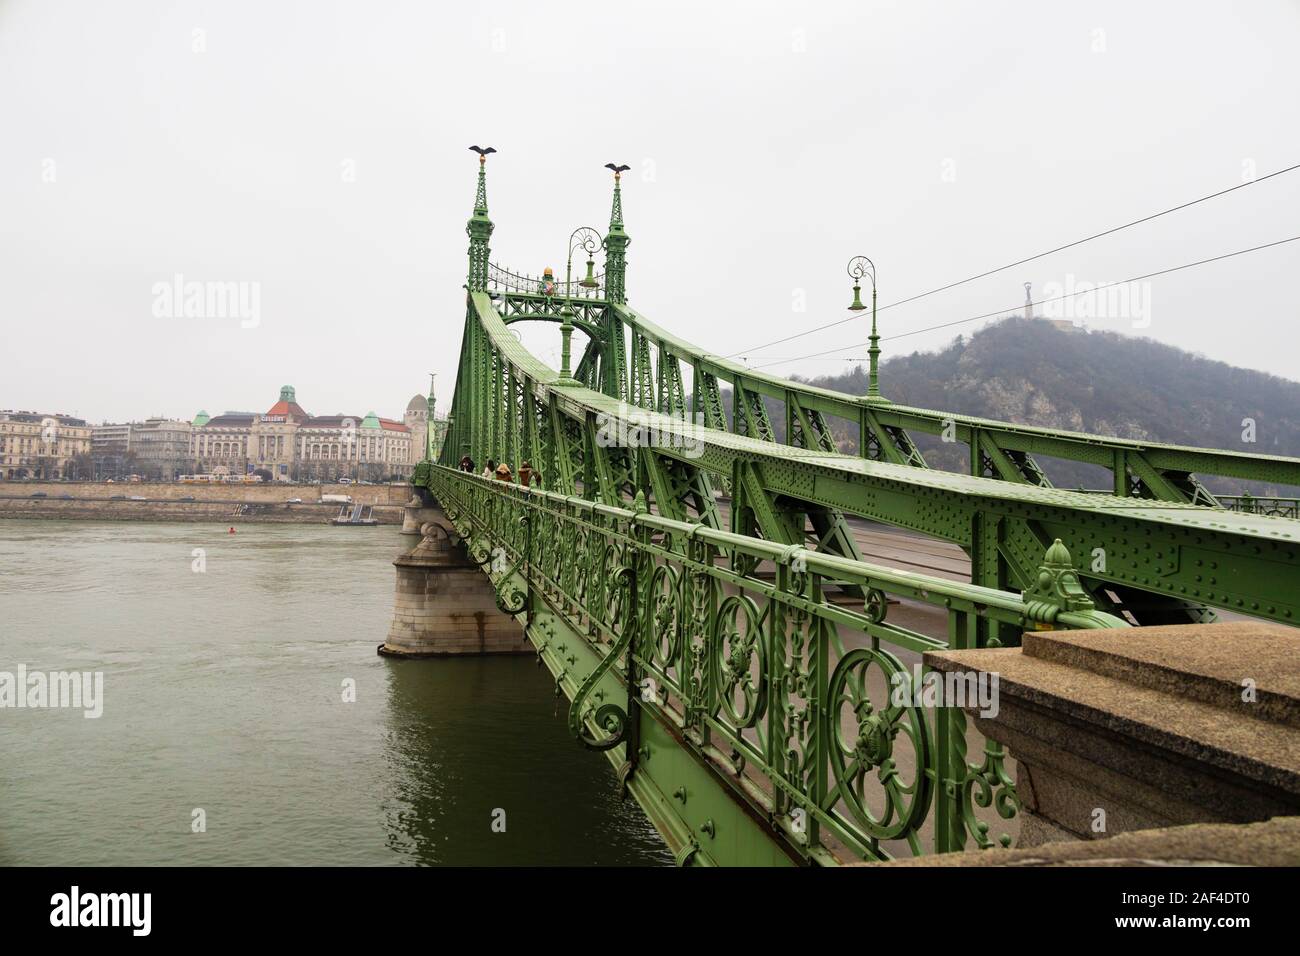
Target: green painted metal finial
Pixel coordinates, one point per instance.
(1058, 555)
(480, 198)
(1057, 587)
(616, 213)
(479, 227)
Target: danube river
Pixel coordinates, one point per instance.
(227, 664)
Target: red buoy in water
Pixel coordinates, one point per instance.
(232, 530)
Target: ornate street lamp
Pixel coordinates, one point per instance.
(860, 266)
(589, 241)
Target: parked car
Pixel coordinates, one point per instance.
(137, 498)
(185, 498)
(345, 481)
(39, 494)
(117, 497)
(294, 501)
(65, 497)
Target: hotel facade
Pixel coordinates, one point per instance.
(287, 443)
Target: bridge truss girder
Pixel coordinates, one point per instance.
(1179, 557)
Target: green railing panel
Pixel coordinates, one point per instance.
(800, 700)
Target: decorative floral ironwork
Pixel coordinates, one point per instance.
(610, 717)
(666, 612)
(757, 676)
(874, 735)
(740, 660)
(875, 606)
(989, 785)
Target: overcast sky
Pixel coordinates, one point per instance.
(318, 150)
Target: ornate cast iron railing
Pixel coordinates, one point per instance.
(755, 656)
(503, 280)
(1249, 504)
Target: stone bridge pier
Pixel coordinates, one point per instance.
(444, 604)
(417, 513)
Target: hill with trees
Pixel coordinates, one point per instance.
(1032, 372)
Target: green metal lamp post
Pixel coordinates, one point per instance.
(860, 266)
(589, 241)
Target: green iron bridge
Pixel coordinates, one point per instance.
(747, 673)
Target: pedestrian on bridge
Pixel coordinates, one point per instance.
(467, 464)
(490, 469)
(503, 473)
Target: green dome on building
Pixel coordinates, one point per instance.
(370, 421)
(200, 419)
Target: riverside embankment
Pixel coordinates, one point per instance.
(171, 501)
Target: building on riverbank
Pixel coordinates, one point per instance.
(287, 443)
(110, 450)
(284, 443)
(162, 448)
(42, 445)
(427, 430)
(157, 449)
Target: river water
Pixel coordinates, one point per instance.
(225, 675)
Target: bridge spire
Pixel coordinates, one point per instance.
(479, 228)
(433, 411)
(616, 243)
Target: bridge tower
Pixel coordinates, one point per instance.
(479, 228)
(614, 361)
(616, 243)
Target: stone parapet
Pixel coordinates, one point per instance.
(262, 492)
(1134, 729)
(173, 510)
(1272, 843)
